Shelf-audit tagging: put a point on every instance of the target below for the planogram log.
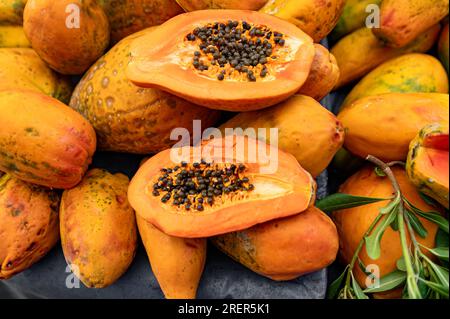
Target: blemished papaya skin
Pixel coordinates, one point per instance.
(286, 248)
(128, 118)
(98, 228)
(360, 52)
(129, 16)
(306, 130)
(22, 203)
(11, 12)
(43, 141)
(444, 48)
(164, 60)
(277, 192)
(23, 68)
(193, 5)
(67, 46)
(353, 17)
(316, 18)
(13, 37)
(402, 21)
(373, 126)
(323, 76)
(177, 263)
(427, 164)
(353, 223)
(409, 73)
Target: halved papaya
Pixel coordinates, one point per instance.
(229, 189)
(427, 164)
(233, 60)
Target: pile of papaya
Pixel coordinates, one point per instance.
(79, 78)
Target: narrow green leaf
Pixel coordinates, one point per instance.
(423, 288)
(430, 201)
(401, 264)
(440, 289)
(434, 217)
(393, 205)
(357, 289)
(441, 273)
(441, 239)
(394, 224)
(373, 241)
(416, 224)
(412, 287)
(389, 282)
(343, 201)
(363, 267)
(335, 287)
(440, 252)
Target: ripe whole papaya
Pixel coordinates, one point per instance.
(29, 224)
(13, 37)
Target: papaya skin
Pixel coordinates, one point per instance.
(373, 126)
(286, 248)
(11, 12)
(21, 204)
(353, 17)
(156, 62)
(287, 191)
(443, 48)
(43, 141)
(306, 130)
(409, 73)
(98, 228)
(13, 37)
(316, 18)
(360, 52)
(23, 68)
(427, 164)
(193, 5)
(353, 223)
(402, 21)
(128, 118)
(177, 263)
(129, 16)
(68, 50)
(323, 76)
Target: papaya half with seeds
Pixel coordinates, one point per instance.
(306, 130)
(373, 125)
(404, 20)
(11, 12)
(232, 188)
(29, 224)
(13, 37)
(409, 73)
(285, 248)
(360, 52)
(68, 35)
(353, 223)
(98, 228)
(23, 68)
(427, 164)
(43, 141)
(128, 118)
(316, 18)
(177, 263)
(231, 60)
(324, 74)
(129, 16)
(444, 47)
(193, 5)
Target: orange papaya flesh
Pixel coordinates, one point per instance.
(221, 194)
(191, 56)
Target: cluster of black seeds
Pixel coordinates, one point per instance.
(240, 45)
(195, 185)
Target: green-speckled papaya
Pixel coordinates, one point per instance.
(128, 118)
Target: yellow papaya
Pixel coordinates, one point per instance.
(360, 52)
(384, 125)
(404, 20)
(98, 228)
(316, 18)
(11, 12)
(13, 37)
(409, 73)
(427, 164)
(306, 130)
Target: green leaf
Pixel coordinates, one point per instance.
(441, 239)
(343, 201)
(389, 282)
(440, 252)
(401, 264)
(433, 217)
(423, 289)
(416, 224)
(441, 273)
(357, 289)
(430, 201)
(335, 287)
(373, 241)
(412, 288)
(439, 288)
(392, 206)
